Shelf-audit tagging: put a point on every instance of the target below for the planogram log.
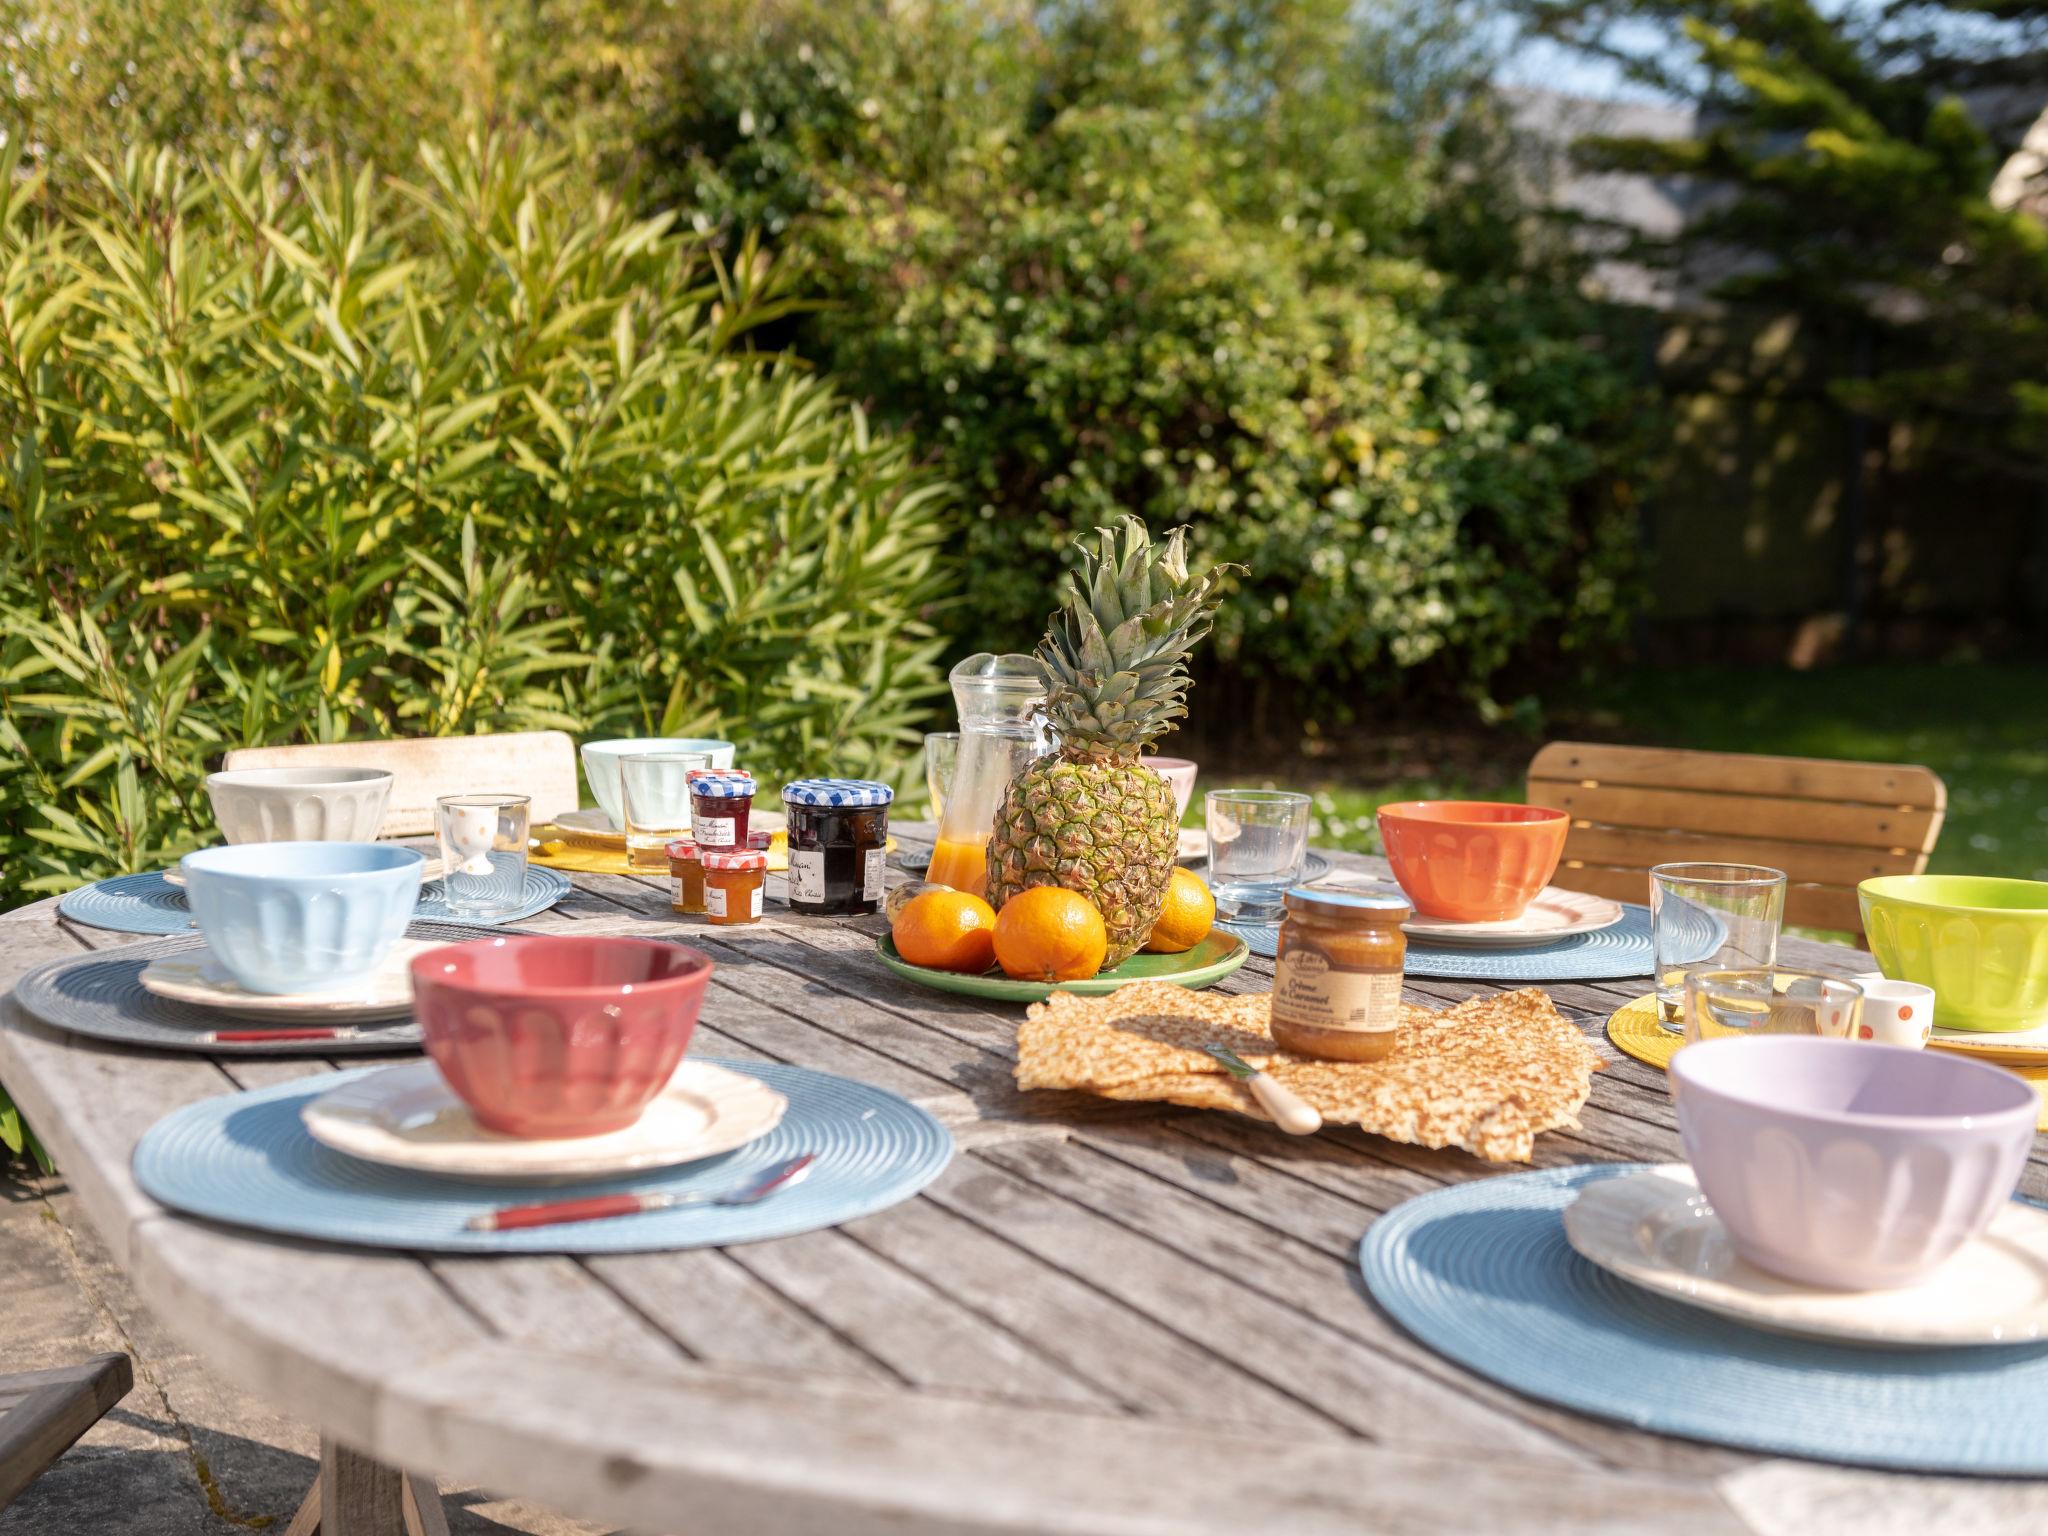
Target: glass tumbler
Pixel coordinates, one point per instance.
(1767, 1001)
(1258, 844)
(1717, 916)
(483, 854)
(941, 757)
(654, 792)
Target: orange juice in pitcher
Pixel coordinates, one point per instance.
(963, 866)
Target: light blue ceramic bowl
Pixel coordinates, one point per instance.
(302, 917)
(601, 763)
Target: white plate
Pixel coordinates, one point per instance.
(1656, 1229)
(592, 828)
(1194, 845)
(1554, 914)
(197, 976)
(409, 1117)
(431, 870)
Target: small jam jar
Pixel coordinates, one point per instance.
(720, 800)
(838, 829)
(688, 869)
(1337, 975)
(733, 882)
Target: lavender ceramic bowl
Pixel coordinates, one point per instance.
(1852, 1167)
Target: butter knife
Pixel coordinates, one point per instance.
(1290, 1111)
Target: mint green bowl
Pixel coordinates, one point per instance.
(1981, 943)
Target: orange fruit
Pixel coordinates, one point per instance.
(1187, 917)
(1049, 933)
(947, 930)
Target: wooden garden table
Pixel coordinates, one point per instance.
(1104, 1317)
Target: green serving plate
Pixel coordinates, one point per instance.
(1203, 966)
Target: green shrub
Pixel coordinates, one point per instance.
(303, 459)
(1210, 263)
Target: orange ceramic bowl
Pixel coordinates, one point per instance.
(1472, 861)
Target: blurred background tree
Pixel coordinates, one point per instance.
(1864, 170)
(1256, 266)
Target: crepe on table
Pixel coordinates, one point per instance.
(1487, 1075)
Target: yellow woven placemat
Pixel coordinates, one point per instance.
(1634, 1029)
(556, 852)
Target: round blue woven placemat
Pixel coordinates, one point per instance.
(149, 903)
(1482, 1273)
(1622, 950)
(246, 1159)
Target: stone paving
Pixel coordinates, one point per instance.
(184, 1454)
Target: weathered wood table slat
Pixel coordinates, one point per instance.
(1104, 1317)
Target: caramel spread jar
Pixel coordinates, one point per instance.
(1337, 977)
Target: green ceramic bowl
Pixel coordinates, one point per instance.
(1981, 943)
(1204, 965)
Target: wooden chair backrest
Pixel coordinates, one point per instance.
(1827, 824)
(539, 764)
(42, 1413)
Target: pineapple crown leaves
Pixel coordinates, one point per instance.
(1116, 651)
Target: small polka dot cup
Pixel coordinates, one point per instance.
(1895, 1012)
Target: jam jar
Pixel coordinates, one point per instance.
(838, 829)
(720, 800)
(1337, 976)
(733, 882)
(687, 866)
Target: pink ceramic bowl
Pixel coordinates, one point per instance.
(1179, 773)
(1855, 1167)
(544, 1036)
(1472, 861)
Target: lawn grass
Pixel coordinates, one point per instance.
(1983, 728)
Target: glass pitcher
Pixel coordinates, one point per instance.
(1002, 728)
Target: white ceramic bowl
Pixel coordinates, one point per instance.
(299, 805)
(1855, 1167)
(601, 764)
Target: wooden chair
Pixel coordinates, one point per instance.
(540, 764)
(1827, 824)
(42, 1414)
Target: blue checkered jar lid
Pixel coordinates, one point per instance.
(722, 783)
(837, 794)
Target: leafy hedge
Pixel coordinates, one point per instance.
(1239, 266)
(344, 455)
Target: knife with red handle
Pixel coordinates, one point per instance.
(553, 1213)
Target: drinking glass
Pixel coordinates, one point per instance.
(483, 853)
(1766, 1001)
(654, 792)
(941, 757)
(1258, 843)
(1739, 907)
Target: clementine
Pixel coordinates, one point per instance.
(947, 930)
(1187, 917)
(1049, 933)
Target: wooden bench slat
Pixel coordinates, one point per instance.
(1763, 816)
(1806, 905)
(1818, 863)
(54, 1409)
(1743, 773)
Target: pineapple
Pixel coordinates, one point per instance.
(1090, 816)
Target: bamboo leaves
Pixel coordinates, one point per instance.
(351, 456)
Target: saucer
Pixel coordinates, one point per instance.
(197, 976)
(408, 1117)
(1656, 1230)
(1553, 914)
(590, 828)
